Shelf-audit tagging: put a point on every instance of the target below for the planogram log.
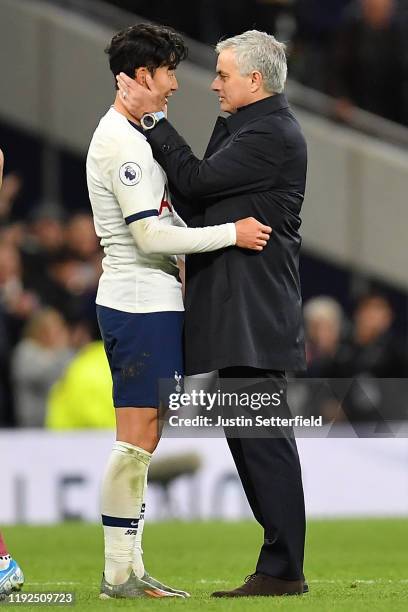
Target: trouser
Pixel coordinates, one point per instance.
(270, 473)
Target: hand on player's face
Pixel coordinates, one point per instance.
(151, 98)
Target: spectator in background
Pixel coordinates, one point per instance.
(354, 368)
(68, 287)
(17, 303)
(80, 237)
(82, 397)
(11, 232)
(62, 264)
(10, 188)
(38, 361)
(371, 354)
(44, 238)
(372, 349)
(223, 19)
(45, 232)
(316, 25)
(370, 61)
(81, 241)
(323, 319)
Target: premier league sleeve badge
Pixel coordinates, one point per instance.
(130, 174)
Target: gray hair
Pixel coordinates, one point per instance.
(259, 51)
(323, 307)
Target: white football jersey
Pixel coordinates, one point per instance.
(126, 184)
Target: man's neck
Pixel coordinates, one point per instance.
(263, 96)
(120, 107)
(257, 98)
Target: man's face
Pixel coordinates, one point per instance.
(165, 80)
(378, 12)
(233, 89)
(372, 318)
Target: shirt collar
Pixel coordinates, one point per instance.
(137, 127)
(250, 111)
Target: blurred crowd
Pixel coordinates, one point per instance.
(353, 50)
(366, 345)
(363, 361)
(50, 264)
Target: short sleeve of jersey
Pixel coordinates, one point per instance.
(132, 181)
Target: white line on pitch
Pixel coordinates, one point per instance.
(49, 583)
(204, 581)
(317, 581)
(359, 581)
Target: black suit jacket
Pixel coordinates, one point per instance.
(243, 308)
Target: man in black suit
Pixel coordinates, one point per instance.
(243, 310)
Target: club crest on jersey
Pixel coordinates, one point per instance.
(130, 174)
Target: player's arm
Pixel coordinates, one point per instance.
(240, 167)
(131, 184)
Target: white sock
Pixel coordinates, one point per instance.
(121, 505)
(138, 565)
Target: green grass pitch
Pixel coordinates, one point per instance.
(350, 565)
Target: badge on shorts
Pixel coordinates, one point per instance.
(130, 174)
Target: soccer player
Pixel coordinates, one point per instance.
(139, 300)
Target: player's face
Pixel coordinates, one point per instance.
(232, 88)
(165, 80)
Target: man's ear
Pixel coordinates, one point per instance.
(256, 81)
(140, 75)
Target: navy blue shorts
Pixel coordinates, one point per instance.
(141, 348)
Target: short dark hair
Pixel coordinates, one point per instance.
(147, 45)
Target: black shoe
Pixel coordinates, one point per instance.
(261, 585)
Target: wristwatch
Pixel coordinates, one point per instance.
(150, 120)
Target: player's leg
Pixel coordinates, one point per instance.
(137, 431)
(139, 349)
(11, 576)
(123, 491)
(141, 429)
